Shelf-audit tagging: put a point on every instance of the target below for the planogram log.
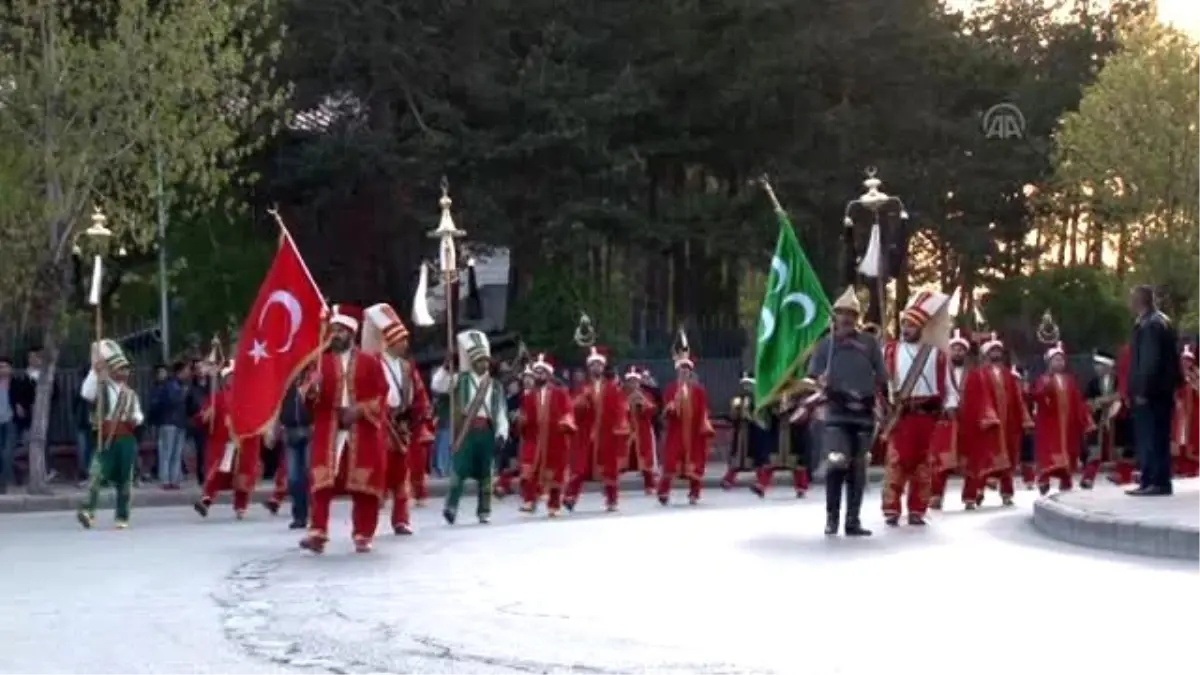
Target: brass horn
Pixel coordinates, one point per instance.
(1047, 330)
(585, 333)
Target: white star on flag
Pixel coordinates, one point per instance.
(258, 350)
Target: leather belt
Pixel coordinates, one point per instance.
(931, 405)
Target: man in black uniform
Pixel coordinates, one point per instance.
(849, 365)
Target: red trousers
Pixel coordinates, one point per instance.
(1122, 473)
(664, 487)
(730, 478)
(221, 480)
(1063, 476)
(973, 486)
(398, 468)
(1028, 474)
(504, 482)
(584, 469)
(1182, 467)
(908, 466)
(531, 492)
(364, 513)
(800, 480)
(418, 465)
(648, 481)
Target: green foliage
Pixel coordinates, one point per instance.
(1088, 304)
(548, 317)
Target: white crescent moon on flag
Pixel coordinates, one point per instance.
(780, 268)
(805, 302)
(295, 315)
(766, 323)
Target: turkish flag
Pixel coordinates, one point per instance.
(282, 334)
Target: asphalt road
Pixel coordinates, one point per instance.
(733, 585)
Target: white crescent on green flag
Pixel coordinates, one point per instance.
(795, 312)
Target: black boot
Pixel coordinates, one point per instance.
(856, 485)
(831, 524)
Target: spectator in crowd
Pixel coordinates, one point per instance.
(170, 414)
(197, 396)
(296, 432)
(85, 434)
(9, 407)
(1154, 375)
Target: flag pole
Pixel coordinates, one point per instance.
(287, 235)
(765, 181)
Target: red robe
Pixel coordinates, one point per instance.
(1063, 420)
(640, 456)
(602, 439)
(547, 426)
(245, 469)
(363, 467)
(688, 432)
(1185, 431)
(414, 427)
(945, 445)
(992, 418)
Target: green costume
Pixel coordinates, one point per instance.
(475, 460)
(114, 461)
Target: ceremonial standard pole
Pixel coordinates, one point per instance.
(446, 233)
(98, 235)
(874, 200)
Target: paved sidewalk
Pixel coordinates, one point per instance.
(68, 498)
(1107, 518)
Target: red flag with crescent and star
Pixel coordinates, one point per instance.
(282, 334)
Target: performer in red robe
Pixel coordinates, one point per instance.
(232, 463)
(349, 394)
(992, 418)
(1185, 433)
(603, 436)
(689, 430)
(547, 423)
(1062, 423)
(640, 456)
(908, 468)
(411, 432)
(945, 445)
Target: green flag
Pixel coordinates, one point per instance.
(795, 311)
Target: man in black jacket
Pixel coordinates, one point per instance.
(1153, 378)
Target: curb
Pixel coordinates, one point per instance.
(151, 498)
(1112, 533)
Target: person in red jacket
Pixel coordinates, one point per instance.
(1062, 422)
(642, 409)
(234, 463)
(350, 396)
(689, 430)
(411, 432)
(603, 437)
(547, 423)
(992, 418)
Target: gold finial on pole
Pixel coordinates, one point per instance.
(446, 233)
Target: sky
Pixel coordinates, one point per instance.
(1183, 14)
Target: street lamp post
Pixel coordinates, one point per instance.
(875, 201)
(446, 233)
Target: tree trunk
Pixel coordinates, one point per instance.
(40, 425)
